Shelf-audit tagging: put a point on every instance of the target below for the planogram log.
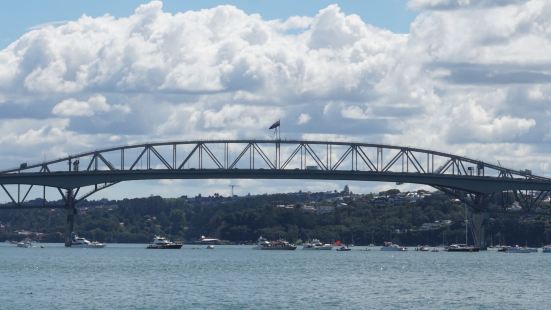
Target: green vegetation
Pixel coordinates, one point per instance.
(433, 219)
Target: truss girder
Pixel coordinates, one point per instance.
(329, 160)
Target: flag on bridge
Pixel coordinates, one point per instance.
(275, 125)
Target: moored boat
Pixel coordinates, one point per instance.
(546, 249)
(462, 248)
(344, 248)
(315, 244)
(422, 248)
(264, 244)
(162, 243)
(517, 249)
(79, 242)
(389, 246)
(24, 244)
(207, 240)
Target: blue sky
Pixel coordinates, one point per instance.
(465, 77)
(17, 17)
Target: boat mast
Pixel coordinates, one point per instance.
(466, 226)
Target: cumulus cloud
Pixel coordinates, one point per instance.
(475, 124)
(95, 104)
(471, 77)
(303, 118)
(454, 4)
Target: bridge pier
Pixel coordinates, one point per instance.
(478, 229)
(71, 212)
(480, 204)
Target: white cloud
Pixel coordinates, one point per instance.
(454, 4)
(474, 124)
(303, 118)
(471, 77)
(94, 105)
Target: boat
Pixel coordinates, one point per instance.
(344, 248)
(264, 244)
(24, 244)
(162, 243)
(463, 247)
(389, 246)
(207, 240)
(422, 248)
(315, 244)
(517, 249)
(546, 249)
(210, 247)
(79, 242)
(460, 247)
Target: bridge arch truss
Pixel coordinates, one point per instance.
(78, 176)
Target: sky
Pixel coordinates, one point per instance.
(462, 76)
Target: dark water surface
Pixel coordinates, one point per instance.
(237, 277)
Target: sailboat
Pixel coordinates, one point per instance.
(463, 247)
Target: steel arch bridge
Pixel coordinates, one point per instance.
(268, 159)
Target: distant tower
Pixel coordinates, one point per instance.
(232, 186)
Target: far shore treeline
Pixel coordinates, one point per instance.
(405, 218)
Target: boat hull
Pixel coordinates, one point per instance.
(278, 249)
(165, 247)
(88, 246)
(317, 248)
(463, 250)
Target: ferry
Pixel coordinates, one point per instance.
(162, 243)
(264, 244)
(389, 246)
(79, 242)
(315, 244)
(461, 248)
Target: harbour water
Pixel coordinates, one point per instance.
(237, 277)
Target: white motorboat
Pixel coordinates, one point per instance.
(518, 249)
(264, 244)
(389, 246)
(206, 240)
(344, 248)
(422, 248)
(80, 242)
(24, 244)
(315, 244)
(547, 249)
(162, 243)
(458, 247)
(210, 247)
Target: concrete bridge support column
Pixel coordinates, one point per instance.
(71, 212)
(477, 220)
(478, 229)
